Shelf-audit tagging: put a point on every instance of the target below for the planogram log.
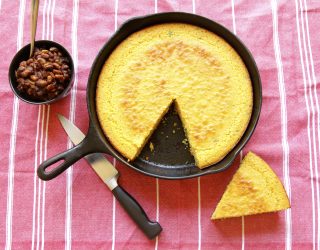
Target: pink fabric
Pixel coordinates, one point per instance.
(77, 211)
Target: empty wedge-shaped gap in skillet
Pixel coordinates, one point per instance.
(168, 144)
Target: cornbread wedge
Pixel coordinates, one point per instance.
(182, 64)
(254, 189)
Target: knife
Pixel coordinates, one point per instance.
(109, 175)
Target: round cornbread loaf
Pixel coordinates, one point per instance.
(181, 63)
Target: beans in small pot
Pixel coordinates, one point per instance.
(45, 75)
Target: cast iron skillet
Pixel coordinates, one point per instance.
(170, 159)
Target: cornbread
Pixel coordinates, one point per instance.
(196, 70)
(254, 189)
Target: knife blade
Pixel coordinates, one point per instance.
(103, 168)
(109, 175)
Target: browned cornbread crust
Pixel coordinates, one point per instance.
(254, 189)
(177, 62)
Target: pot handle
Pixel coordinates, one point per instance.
(68, 157)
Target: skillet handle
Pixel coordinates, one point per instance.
(68, 157)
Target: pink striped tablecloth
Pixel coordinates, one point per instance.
(77, 211)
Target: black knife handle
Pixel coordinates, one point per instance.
(136, 212)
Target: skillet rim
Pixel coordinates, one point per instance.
(148, 20)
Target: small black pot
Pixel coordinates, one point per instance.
(167, 162)
(22, 55)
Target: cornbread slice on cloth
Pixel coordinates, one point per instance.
(254, 189)
(181, 63)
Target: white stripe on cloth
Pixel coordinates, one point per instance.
(312, 85)
(242, 218)
(45, 110)
(38, 212)
(199, 213)
(199, 178)
(47, 29)
(157, 210)
(49, 36)
(242, 232)
(308, 125)
(13, 136)
(68, 218)
(44, 183)
(116, 5)
(44, 18)
(157, 180)
(284, 141)
(317, 105)
(40, 182)
(35, 178)
(233, 17)
(113, 214)
(14, 125)
(194, 6)
(37, 182)
(52, 19)
(74, 38)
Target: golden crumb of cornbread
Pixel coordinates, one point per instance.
(182, 64)
(254, 189)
